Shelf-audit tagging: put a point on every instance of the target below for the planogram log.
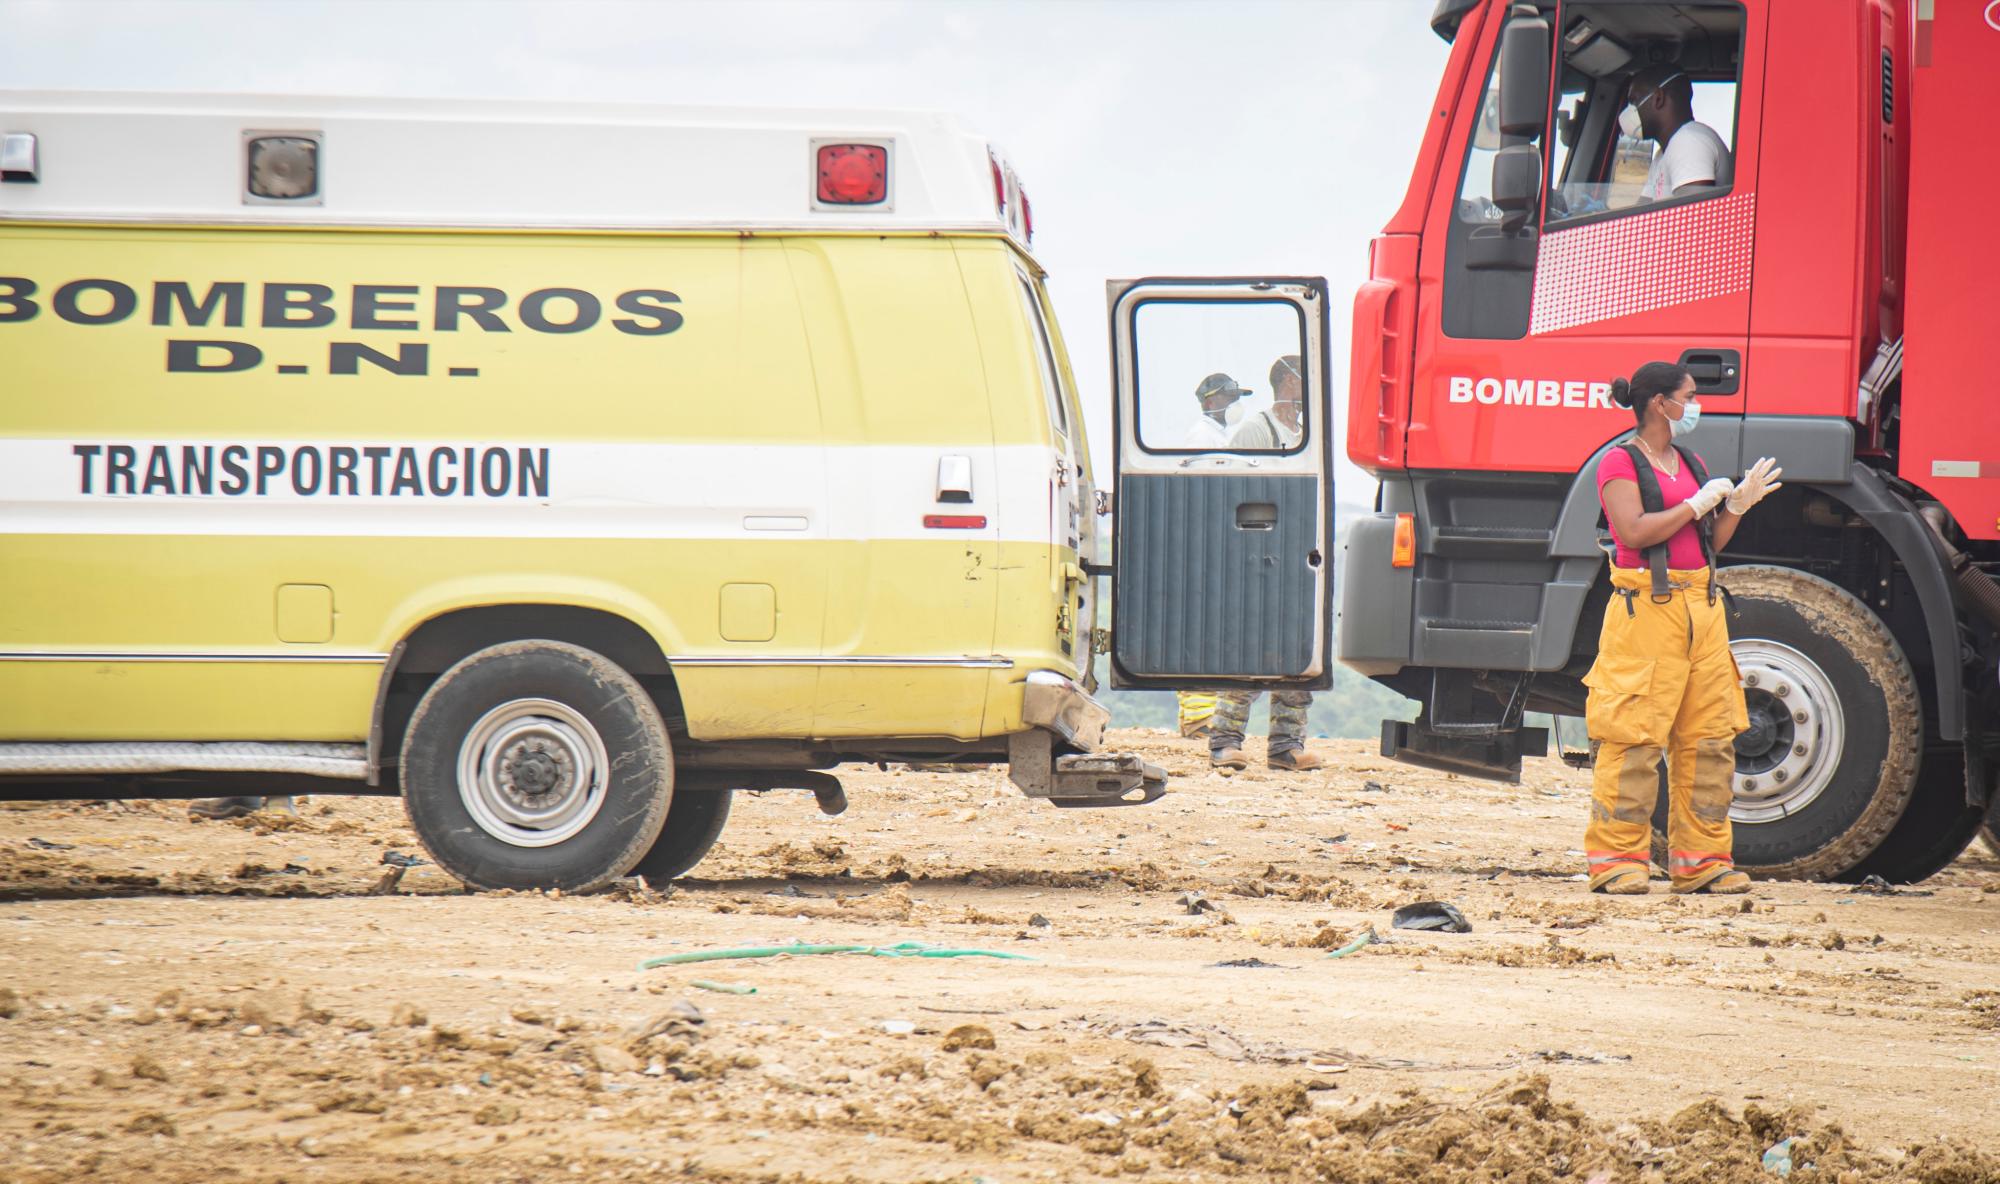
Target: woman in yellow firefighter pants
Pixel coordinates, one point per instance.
(1664, 683)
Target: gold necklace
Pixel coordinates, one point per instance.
(1654, 457)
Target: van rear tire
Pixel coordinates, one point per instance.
(537, 764)
(694, 822)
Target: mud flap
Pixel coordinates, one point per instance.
(1081, 780)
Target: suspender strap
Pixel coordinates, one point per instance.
(1651, 501)
(1704, 528)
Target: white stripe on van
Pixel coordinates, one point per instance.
(518, 489)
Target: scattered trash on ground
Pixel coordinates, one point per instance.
(1228, 1046)
(1779, 1158)
(1196, 903)
(1877, 886)
(703, 984)
(1040, 922)
(904, 949)
(398, 859)
(1555, 1056)
(1374, 787)
(46, 845)
(1431, 914)
(1252, 964)
(898, 1027)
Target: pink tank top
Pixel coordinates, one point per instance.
(1684, 548)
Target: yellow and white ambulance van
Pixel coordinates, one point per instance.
(563, 469)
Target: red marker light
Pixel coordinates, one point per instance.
(1027, 219)
(999, 184)
(954, 522)
(853, 174)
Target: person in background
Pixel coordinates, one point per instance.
(1274, 430)
(1692, 156)
(1288, 730)
(1664, 683)
(1278, 428)
(1218, 395)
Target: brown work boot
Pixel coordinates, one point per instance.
(1630, 879)
(1297, 760)
(1228, 758)
(1723, 882)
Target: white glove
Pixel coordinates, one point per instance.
(1710, 495)
(1760, 480)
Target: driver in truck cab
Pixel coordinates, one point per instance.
(1692, 156)
(1664, 683)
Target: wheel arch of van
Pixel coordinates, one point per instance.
(444, 639)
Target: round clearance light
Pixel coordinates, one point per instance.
(853, 174)
(284, 168)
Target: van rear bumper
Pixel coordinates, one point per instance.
(1060, 706)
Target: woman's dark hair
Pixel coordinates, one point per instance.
(1647, 383)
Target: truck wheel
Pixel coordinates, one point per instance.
(1830, 760)
(693, 823)
(1934, 831)
(536, 764)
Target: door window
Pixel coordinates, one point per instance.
(1672, 69)
(1221, 376)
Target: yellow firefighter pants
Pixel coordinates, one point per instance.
(1664, 684)
(1197, 712)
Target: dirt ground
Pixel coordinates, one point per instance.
(232, 1001)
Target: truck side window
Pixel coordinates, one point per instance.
(1045, 355)
(1485, 299)
(1220, 376)
(1475, 188)
(1642, 120)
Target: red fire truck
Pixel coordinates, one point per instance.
(1831, 298)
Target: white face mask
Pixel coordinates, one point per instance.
(1690, 415)
(1629, 125)
(1232, 414)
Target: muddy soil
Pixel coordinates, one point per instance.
(257, 1001)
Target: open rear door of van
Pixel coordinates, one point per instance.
(1223, 450)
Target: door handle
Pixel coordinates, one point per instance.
(1715, 371)
(954, 479)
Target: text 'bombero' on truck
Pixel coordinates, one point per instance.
(1833, 296)
(565, 469)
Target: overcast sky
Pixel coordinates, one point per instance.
(1218, 137)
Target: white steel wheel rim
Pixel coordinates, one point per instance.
(532, 772)
(1792, 750)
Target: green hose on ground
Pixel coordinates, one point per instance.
(1366, 939)
(906, 949)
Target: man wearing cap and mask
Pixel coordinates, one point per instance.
(1692, 156)
(1218, 395)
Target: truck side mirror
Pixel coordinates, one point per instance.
(1524, 112)
(1524, 74)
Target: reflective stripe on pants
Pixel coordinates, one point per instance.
(1664, 686)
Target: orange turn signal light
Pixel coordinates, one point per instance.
(1404, 552)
